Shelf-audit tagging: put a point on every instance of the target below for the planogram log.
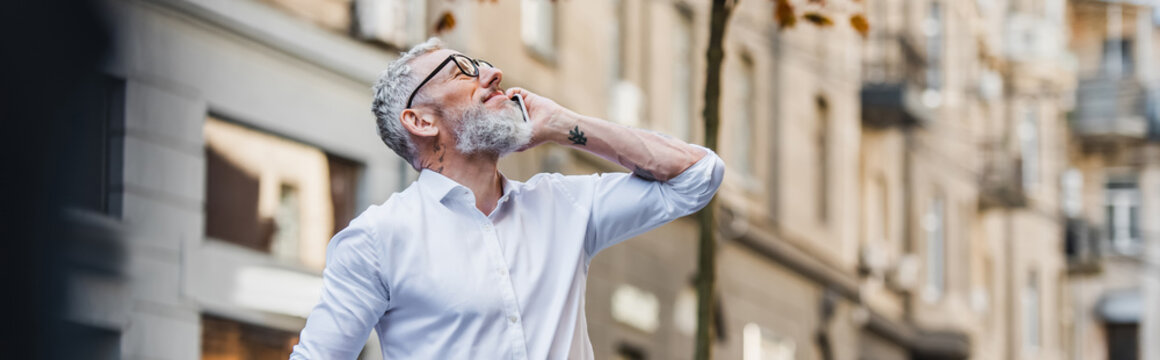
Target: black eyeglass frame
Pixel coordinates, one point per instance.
(473, 72)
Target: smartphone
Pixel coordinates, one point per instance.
(523, 108)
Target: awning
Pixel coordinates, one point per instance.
(1121, 307)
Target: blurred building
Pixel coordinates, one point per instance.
(1113, 187)
(970, 180)
(963, 138)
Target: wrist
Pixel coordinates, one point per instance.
(560, 124)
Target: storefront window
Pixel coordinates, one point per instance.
(275, 195)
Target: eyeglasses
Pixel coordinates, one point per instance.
(466, 65)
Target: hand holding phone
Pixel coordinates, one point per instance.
(519, 99)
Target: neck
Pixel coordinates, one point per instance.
(478, 172)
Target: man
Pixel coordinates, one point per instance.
(466, 263)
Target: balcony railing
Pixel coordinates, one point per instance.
(1001, 181)
(1112, 108)
(893, 80)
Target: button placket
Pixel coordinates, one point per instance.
(507, 290)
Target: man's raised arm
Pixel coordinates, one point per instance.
(673, 178)
(647, 154)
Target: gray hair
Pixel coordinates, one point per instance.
(391, 91)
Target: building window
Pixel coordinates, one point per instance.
(1123, 216)
(1123, 341)
(344, 186)
(877, 249)
(1053, 10)
(884, 209)
(394, 22)
(822, 158)
(625, 99)
(331, 15)
(1029, 146)
(99, 152)
(1063, 308)
(1071, 186)
(225, 339)
(538, 27)
(743, 118)
(1031, 311)
(275, 195)
(877, 214)
(618, 37)
(636, 307)
(1117, 57)
(685, 311)
(934, 223)
(94, 342)
(682, 38)
(933, 29)
(758, 343)
(983, 298)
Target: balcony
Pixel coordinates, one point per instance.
(1081, 247)
(1001, 181)
(892, 84)
(1113, 109)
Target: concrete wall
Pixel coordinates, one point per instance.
(182, 62)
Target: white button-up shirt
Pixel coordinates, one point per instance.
(438, 279)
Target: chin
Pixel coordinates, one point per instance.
(497, 132)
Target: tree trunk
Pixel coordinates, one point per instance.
(706, 259)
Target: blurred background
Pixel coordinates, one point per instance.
(969, 179)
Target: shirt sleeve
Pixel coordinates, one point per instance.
(624, 205)
(353, 299)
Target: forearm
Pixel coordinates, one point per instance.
(647, 154)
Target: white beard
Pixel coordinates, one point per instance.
(494, 132)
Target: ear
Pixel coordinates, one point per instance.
(418, 123)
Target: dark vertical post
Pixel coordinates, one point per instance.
(706, 261)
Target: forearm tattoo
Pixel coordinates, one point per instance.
(577, 137)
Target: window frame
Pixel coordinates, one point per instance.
(935, 227)
(540, 34)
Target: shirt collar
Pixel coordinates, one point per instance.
(440, 187)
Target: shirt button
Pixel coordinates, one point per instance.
(513, 319)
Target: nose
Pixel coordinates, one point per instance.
(490, 76)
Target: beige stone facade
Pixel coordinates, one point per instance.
(891, 218)
(1115, 285)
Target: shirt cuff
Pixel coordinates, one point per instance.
(703, 176)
